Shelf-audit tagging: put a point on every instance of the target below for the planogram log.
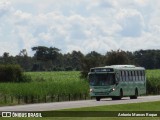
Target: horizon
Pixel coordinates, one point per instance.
(33, 52)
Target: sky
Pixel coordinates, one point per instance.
(81, 25)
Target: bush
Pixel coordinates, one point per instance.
(153, 85)
(69, 68)
(12, 73)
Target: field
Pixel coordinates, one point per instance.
(153, 81)
(45, 85)
(58, 86)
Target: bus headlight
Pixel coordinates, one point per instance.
(91, 90)
(113, 89)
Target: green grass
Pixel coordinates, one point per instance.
(47, 83)
(153, 81)
(145, 106)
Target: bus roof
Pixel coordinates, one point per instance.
(121, 67)
(125, 67)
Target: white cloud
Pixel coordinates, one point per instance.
(131, 21)
(4, 8)
(99, 25)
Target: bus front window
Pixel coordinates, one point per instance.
(102, 79)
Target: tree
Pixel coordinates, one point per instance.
(76, 57)
(150, 59)
(24, 60)
(41, 52)
(91, 60)
(45, 56)
(117, 58)
(5, 57)
(73, 60)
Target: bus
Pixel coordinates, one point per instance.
(117, 81)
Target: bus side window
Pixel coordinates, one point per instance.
(124, 73)
(123, 76)
(120, 75)
(141, 75)
(135, 75)
(132, 75)
(138, 75)
(127, 77)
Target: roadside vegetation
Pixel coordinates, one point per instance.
(58, 86)
(47, 83)
(153, 81)
(45, 87)
(145, 106)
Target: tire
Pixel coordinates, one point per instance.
(120, 95)
(135, 96)
(114, 98)
(98, 98)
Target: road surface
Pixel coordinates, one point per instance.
(77, 104)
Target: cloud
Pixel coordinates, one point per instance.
(131, 21)
(99, 25)
(4, 8)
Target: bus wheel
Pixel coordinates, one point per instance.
(135, 96)
(98, 98)
(114, 98)
(118, 97)
(120, 94)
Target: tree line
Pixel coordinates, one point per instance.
(51, 59)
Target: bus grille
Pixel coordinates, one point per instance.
(101, 93)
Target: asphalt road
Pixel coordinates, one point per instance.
(77, 104)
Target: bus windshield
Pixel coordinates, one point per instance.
(102, 79)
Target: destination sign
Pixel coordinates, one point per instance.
(102, 70)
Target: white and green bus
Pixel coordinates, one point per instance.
(117, 81)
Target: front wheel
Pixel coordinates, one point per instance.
(118, 97)
(115, 98)
(98, 98)
(121, 94)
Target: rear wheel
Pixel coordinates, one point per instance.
(135, 96)
(98, 98)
